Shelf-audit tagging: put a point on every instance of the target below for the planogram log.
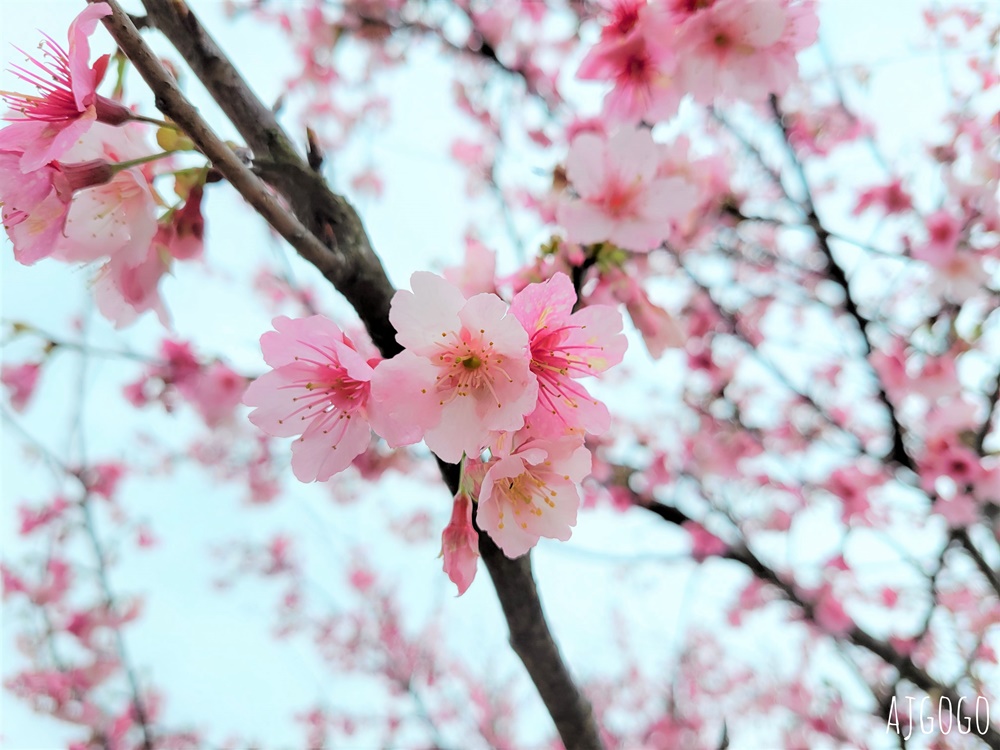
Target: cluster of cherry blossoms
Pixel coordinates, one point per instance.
(76, 179)
(654, 53)
(491, 385)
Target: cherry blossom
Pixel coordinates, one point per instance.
(659, 329)
(319, 388)
(21, 380)
(116, 219)
(182, 232)
(36, 205)
(103, 479)
(852, 485)
(704, 544)
(741, 49)
(124, 291)
(891, 199)
(33, 519)
(830, 613)
(477, 272)
(567, 345)
(636, 54)
(620, 199)
(216, 392)
(531, 491)
(465, 373)
(67, 104)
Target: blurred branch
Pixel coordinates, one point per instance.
(326, 230)
(984, 431)
(141, 717)
(855, 636)
(962, 535)
(59, 467)
(731, 319)
(838, 276)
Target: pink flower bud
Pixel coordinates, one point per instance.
(460, 544)
(69, 178)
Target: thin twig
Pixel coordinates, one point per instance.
(837, 274)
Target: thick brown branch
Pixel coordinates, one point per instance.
(175, 105)
(327, 232)
(531, 640)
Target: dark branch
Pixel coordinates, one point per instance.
(984, 431)
(962, 535)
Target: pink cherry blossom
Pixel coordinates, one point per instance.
(658, 328)
(36, 205)
(565, 346)
(830, 614)
(464, 376)
(938, 378)
(957, 270)
(818, 130)
(114, 220)
(215, 392)
(21, 380)
(123, 291)
(744, 49)
(944, 230)
(319, 389)
(129, 285)
(889, 364)
(179, 362)
(67, 103)
(852, 485)
(531, 491)
(890, 198)
(704, 544)
(477, 273)
(460, 544)
(621, 200)
(103, 478)
(182, 232)
(944, 457)
(39, 517)
(959, 511)
(636, 54)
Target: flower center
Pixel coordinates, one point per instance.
(526, 493)
(471, 362)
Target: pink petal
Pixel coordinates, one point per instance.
(82, 76)
(584, 222)
(421, 317)
(317, 457)
(403, 401)
(585, 165)
(634, 154)
(549, 303)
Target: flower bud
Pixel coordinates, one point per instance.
(72, 177)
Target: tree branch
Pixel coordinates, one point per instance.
(904, 665)
(837, 274)
(328, 233)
